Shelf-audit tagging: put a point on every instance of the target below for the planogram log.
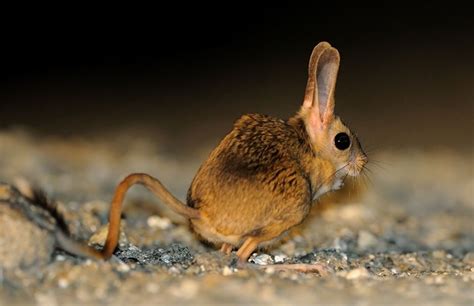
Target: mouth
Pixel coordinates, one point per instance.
(357, 165)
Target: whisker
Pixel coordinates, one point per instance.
(378, 163)
(367, 178)
(369, 150)
(365, 168)
(362, 184)
(353, 187)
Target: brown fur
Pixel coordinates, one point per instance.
(252, 179)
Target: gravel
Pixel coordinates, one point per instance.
(406, 236)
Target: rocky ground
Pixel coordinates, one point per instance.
(404, 235)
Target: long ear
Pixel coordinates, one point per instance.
(322, 75)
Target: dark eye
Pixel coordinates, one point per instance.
(342, 141)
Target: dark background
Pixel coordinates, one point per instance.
(406, 77)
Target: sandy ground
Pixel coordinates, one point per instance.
(404, 236)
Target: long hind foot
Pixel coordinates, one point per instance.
(322, 269)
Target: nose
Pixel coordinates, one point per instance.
(362, 156)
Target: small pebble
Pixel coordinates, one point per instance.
(99, 237)
(280, 258)
(358, 273)
(123, 268)
(63, 283)
(174, 270)
(366, 240)
(227, 271)
(60, 258)
(270, 270)
(263, 259)
(158, 222)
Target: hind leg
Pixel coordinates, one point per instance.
(261, 235)
(247, 248)
(226, 248)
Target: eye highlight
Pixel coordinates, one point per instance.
(342, 141)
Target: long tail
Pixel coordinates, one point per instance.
(36, 207)
(155, 186)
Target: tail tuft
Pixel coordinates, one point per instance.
(40, 199)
